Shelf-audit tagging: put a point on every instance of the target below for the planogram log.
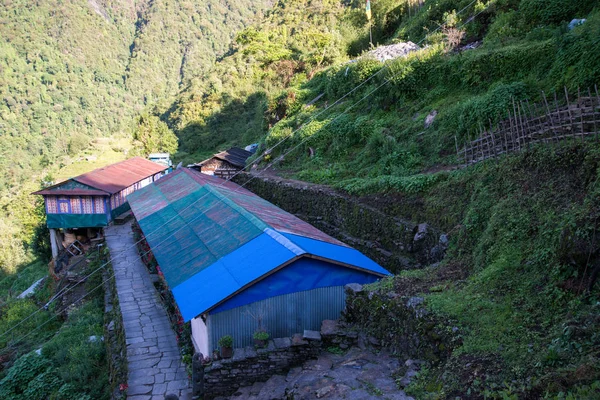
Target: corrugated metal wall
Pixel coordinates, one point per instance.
(282, 316)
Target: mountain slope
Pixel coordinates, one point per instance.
(74, 71)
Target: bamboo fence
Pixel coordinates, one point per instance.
(549, 122)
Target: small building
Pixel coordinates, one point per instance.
(224, 164)
(95, 198)
(236, 263)
(161, 158)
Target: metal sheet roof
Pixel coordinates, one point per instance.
(116, 177)
(212, 239)
(71, 192)
(234, 156)
(106, 180)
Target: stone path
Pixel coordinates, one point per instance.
(155, 366)
(358, 374)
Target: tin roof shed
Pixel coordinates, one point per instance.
(214, 240)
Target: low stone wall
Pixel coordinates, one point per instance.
(114, 335)
(392, 241)
(399, 323)
(249, 365)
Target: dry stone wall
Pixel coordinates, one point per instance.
(393, 242)
(249, 365)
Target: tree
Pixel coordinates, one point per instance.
(153, 135)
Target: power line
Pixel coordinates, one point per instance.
(265, 153)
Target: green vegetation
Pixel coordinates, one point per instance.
(226, 341)
(517, 281)
(522, 229)
(72, 360)
(75, 75)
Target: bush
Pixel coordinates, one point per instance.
(552, 12)
(260, 335)
(226, 341)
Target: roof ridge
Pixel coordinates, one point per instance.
(256, 221)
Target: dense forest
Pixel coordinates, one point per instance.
(72, 72)
(296, 76)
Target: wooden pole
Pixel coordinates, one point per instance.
(580, 114)
(493, 141)
(456, 145)
(549, 116)
(570, 115)
(515, 125)
(593, 113)
(53, 243)
(557, 115)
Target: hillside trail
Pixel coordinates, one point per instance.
(154, 362)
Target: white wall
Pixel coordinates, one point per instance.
(200, 336)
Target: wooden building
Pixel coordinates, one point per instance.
(96, 198)
(224, 164)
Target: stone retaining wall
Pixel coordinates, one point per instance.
(249, 365)
(393, 242)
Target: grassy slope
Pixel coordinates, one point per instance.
(523, 231)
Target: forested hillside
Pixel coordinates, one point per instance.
(73, 71)
(517, 291)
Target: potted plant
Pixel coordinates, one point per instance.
(260, 338)
(226, 345)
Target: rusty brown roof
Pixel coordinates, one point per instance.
(71, 192)
(116, 177)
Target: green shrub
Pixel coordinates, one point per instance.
(260, 335)
(544, 12)
(226, 341)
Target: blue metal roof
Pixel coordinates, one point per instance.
(214, 241)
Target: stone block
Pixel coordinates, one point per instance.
(311, 335)
(297, 340)
(239, 354)
(282, 343)
(329, 327)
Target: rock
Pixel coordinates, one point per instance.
(411, 373)
(374, 341)
(111, 326)
(422, 231)
(352, 288)
(444, 240)
(273, 389)
(282, 343)
(576, 22)
(297, 340)
(329, 327)
(320, 364)
(404, 382)
(384, 53)
(239, 354)
(311, 335)
(430, 118)
(413, 302)
(324, 391)
(437, 253)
